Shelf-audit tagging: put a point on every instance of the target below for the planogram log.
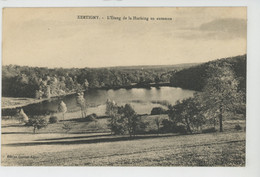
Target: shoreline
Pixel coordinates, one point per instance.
(29, 101)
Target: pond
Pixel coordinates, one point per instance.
(142, 100)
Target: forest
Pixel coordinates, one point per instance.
(38, 82)
(195, 78)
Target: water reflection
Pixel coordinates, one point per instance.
(142, 99)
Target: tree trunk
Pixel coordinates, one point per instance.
(220, 119)
(188, 126)
(34, 130)
(82, 112)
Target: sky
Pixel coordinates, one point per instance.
(55, 37)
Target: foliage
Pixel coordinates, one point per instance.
(116, 123)
(195, 78)
(168, 126)
(24, 117)
(37, 123)
(158, 123)
(81, 102)
(53, 119)
(209, 130)
(158, 111)
(123, 119)
(220, 95)
(67, 126)
(38, 82)
(92, 117)
(238, 127)
(132, 119)
(187, 112)
(62, 108)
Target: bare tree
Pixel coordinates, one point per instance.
(62, 108)
(81, 103)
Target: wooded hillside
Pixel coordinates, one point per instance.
(195, 78)
(36, 82)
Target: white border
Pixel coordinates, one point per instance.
(252, 168)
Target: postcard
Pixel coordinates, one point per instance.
(124, 86)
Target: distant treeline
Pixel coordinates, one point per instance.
(39, 82)
(195, 78)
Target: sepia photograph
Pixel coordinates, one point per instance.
(124, 86)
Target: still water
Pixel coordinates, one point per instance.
(142, 100)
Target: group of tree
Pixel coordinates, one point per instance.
(220, 85)
(196, 77)
(38, 122)
(221, 96)
(39, 82)
(123, 119)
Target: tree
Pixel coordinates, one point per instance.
(158, 111)
(123, 119)
(116, 121)
(85, 84)
(187, 112)
(37, 123)
(132, 119)
(38, 94)
(157, 122)
(220, 93)
(62, 108)
(81, 103)
(24, 116)
(67, 127)
(47, 91)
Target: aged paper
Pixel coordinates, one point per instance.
(127, 86)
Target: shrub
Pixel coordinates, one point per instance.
(53, 119)
(141, 126)
(170, 127)
(158, 111)
(209, 130)
(91, 117)
(67, 127)
(238, 127)
(62, 108)
(37, 123)
(24, 117)
(167, 126)
(180, 129)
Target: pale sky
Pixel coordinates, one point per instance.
(54, 37)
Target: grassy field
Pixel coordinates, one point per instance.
(91, 144)
(10, 102)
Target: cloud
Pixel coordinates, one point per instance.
(218, 29)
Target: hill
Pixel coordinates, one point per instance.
(195, 78)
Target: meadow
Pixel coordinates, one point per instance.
(90, 143)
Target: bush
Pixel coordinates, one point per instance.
(238, 127)
(170, 127)
(37, 123)
(141, 126)
(67, 127)
(53, 119)
(209, 130)
(180, 129)
(158, 111)
(167, 126)
(92, 117)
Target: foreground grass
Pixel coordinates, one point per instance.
(81, 148)
(10, 102)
